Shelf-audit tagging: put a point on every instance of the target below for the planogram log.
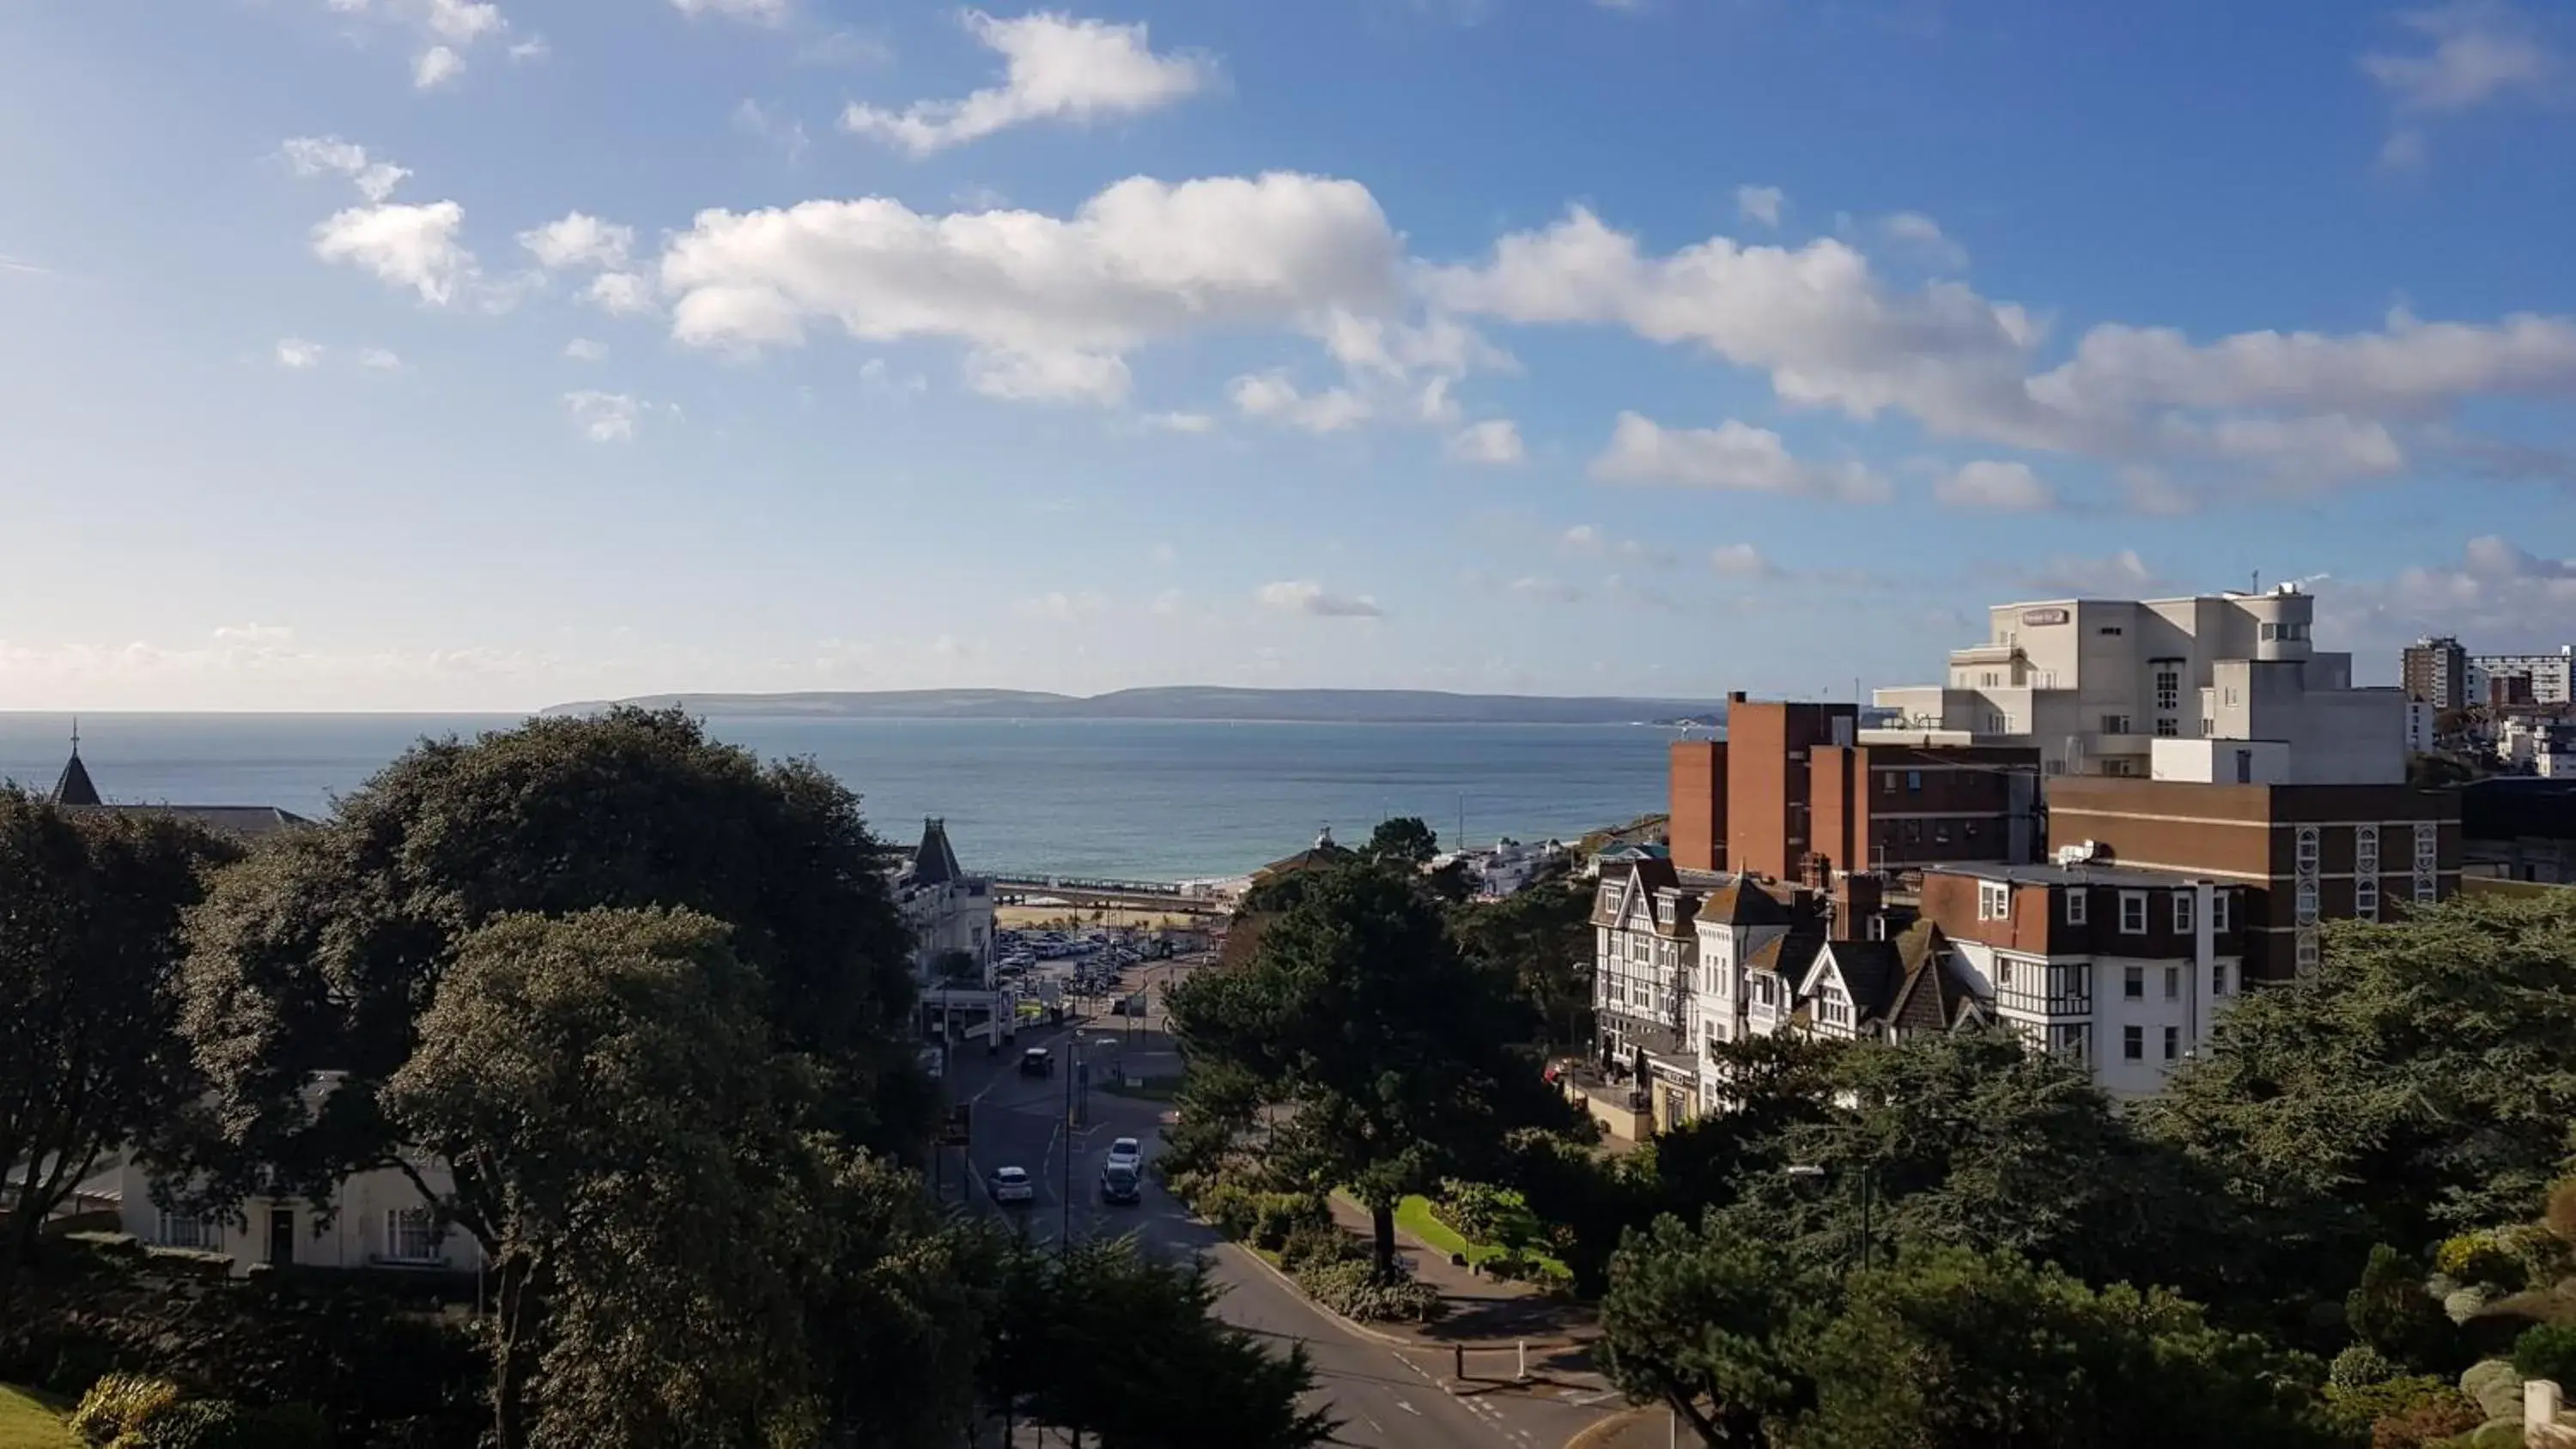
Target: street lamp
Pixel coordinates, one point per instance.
(1868, 1188)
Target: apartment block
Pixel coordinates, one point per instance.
(1903, 807)
(1770, 747)
(2436, 672)
(2521, 678)
(2092, 684)
(1697, 804)
(2121, 969)
(2299, 854)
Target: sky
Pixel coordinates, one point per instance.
(482, 354)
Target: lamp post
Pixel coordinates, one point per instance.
(1868, 1190)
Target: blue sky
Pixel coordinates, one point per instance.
(476, 354)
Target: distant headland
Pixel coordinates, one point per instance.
(1184, 702)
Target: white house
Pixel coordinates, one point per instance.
(377, 1219)
(1733, 922)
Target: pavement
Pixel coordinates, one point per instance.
(1389, 1390)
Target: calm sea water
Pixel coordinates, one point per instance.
(1134, 800)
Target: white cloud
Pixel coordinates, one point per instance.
(435, 67)
(756, 12)
(846, 48)
(404, 246)
(1546, 590)
(329, 155)
(2479, 51)
(1057, 68)
(620, 293)
(1760, 203)
(1494, 441)
(604, 417)
(1829, 333)
(1049, 376)
(1299, 596)
(296, 354)
(1178, 423)
(1922, 235)
(462, 21)
(532, 48)
(253, 634)
(1739, 561)
(1140, 262)
(876, 377)
(578, 239)
(1732, 455)
(1271, 396)
(1063, 607)
(379, 359)
(2006, 487)
(2122, 575)
(582, 349)
(2496, 593)
(1588, 540)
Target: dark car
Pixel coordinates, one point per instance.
(1037, 1062)
(1121, 1184)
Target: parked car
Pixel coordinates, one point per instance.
(1011, 1185)
(1121, 1183)
(1037, 1062)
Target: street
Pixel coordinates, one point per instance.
(1385, 1395)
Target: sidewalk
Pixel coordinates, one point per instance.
(1632, 1429)
(1488, 1316)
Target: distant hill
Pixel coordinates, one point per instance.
(1183, 702)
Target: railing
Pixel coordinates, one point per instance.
(1088, 883)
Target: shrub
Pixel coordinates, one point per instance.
(2547, 1351)
(203, 1424)
(2360, 1366)
(2495, 1386)
(1315, 1244)
(1276, 1215)
(2390, 1311)
(2465, 1304)
(119, 1405)
(2426, 1424)
(2481, 1257)
(2354, 1410)
(1227, 1206)
(1351, 1288)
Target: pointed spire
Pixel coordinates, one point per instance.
(74, 788)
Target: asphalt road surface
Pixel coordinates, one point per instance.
(1384, 1395)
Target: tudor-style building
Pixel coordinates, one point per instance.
(1860, 990)
(1644, 959)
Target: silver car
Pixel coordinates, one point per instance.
(1010, 1185)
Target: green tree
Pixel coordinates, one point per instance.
(1540, 940)
(2390, 1310)
(1707, 1322)
(1403, 841)
(319, 955)
(1998, 1354)
(90, 906)
(603, 1090)
(1394, 1049)
(2417, 1082)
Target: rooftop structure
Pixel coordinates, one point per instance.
(75, 789)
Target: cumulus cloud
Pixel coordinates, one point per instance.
(2004, 487)
(1732, 455)
(1739, 561)
(1760, 203)
(435, 67)
(2477, 53)
(1272, 396)
(329, 155)
(1057, 68)
(1588, 540)
(2495, 592)
(1301, 596)
(582, 349)
(2122, 575)
(1495, 441)
(1142, 261)
(622, 293)
(296, 354)
(1049, 376)
(378, 359)
(604, 417)
(577, 239)
(1923, 236)
(404, 246)
(1178, 423)
(445, 31)
(1830, 333)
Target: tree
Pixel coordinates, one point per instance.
(2417, 1082)
(1540, 940)
(320, 954)
(1998, 1354)
(1358, 1008)
(1403, 841)
(90, 906)
(603, 1090)
(1706, 1321)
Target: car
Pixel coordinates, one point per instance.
(1126, 1151)
(1121, 1183)
(1037, 1062)
(1011, 1185)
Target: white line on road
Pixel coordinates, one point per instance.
(1408, 1408)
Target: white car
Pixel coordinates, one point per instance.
(1126, 1152)
(1011, 1185)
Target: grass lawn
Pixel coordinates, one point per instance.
(1414, 1216)
(26, 1422)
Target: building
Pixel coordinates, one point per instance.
(1734, 920)
(2298, 854)
(250, 822)
(2522, 678)
(1768, 800)
(2435, 672)
(2124, 970)
(1696, 804)
(2519, 829)
(950, 911)
(1645, 958)
(2423, 730)
(376, 1219)
(1507, 868)
(2093, 683)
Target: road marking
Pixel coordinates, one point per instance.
(1408, 1408)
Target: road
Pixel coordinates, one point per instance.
(1387, 1397)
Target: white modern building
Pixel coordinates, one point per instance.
(1734, 921)
(1508, 868)
(2094, 683)
(2548, 674)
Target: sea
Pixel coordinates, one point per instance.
(1122, 799)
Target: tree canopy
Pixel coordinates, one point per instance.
(90, 910)
(1540, 939)
(1403, 841)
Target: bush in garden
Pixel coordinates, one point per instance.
(1276, 1215)
(2548, 1351)
(2480, 1257)
(1351, 1288)
(2360, 1366)
(119, 1405)
(1315, 1244)
(2353, 1410)
(2390, 1311)
(2426, 1425)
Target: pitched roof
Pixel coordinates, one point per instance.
(1325, 851)
(1742, 903)
(74, 788)
(1787, 955)
(933, 863)
(242, 820)
(1871, 971)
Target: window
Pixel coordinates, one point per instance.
(2173, 983)
(1968, 830)
(2067, 1040)
(2115, 724)
(2168, 690)
(1914, 782)
(2268, 632)
(2308, 849)
(2205, 730)
(1914, 832)
(2133, 1043)
(1940, 832)
(2218, 978)
(2218, 910)
(2244, 767)
(2365, 872)
(2428, 860)
(410, 1235)
(182, 1231)
(2075, 903)
(2133, 913)
(1887, 782)
(2166, 729)
(1994, 901)
(2133, 983)
(2112, 631)
(2231, 695)
(2173, 1042)
(2182, 913)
